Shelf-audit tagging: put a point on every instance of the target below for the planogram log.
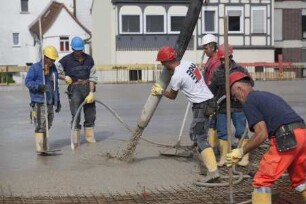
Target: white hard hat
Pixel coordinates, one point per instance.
(208, 38)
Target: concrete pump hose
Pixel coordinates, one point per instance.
(116, 116)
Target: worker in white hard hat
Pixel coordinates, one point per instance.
(209, 43)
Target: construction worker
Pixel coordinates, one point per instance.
(77, 69)
(39, 88)
(217, 87)
(269, 116)
(188, 78)
(209, 44)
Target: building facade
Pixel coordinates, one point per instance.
(131, 31)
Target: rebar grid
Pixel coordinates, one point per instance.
(180, 194)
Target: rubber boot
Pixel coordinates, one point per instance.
(76, 138)
(90, 135)
(245, 159)
(212, 137)
(261, 198)
(39, 138)
(223, 145)
(304, 195)
(210, 162)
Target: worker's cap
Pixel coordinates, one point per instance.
(238, 76)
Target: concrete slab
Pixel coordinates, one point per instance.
(88, 170)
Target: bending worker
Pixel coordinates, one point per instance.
(187, 77)
(77, 69)
(37, 88)
(238, 118)
(269, 116)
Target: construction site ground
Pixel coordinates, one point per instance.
(88, 175)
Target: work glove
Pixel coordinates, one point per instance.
(234, 157)
(58, 107)
(157, 90)
(41, 88)
(90, 98)
(68, 80)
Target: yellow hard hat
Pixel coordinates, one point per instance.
(50, 52)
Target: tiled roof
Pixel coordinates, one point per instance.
(49, 16)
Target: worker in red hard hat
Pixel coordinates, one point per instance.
(270, 117)
(188, 78)
(238, 118)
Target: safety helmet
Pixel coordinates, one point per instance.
(237, 76)
(208, 38)
(77, 43)
(221, 51)
(166, 53)
(50, 52)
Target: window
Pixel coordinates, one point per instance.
(130, 24)
(209, 20)
(130, 20)
(64, 44)
(15, 37)
(304, 26)
(235, 19)
(175, 23)
(24, 5)
(258, 20)
(154, 24)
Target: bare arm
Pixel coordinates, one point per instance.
(170, 94)
(260, 135)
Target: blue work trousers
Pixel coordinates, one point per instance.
(239, 122)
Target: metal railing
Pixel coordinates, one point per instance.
(144, 73)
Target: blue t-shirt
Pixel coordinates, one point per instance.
(75, 69)
(270, 108)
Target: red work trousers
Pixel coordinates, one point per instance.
(274, 163)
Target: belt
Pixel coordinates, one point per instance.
(80, 81)
(290, 127)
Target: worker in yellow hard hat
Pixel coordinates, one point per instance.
(42, 81)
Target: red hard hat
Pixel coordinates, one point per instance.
(221, 51)
(166, 53)
(237, 76)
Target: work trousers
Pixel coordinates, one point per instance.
(274, 163)
(239, 122)
(38, 115)
(199, 126)
(77, 94)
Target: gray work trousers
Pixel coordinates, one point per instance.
(38, 115)
(199, 126)
(76, 95)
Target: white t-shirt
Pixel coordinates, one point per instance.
(188, 78)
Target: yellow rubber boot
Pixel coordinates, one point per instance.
(245, 159)
(223, 145)
(212, 137)
(210, 162)
(76, 138)
(304, 195)
(90, 135)
(261, 198)
(39, 138)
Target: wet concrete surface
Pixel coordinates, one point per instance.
(88, 170)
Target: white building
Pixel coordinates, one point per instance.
(131, 31)
(20, 46)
